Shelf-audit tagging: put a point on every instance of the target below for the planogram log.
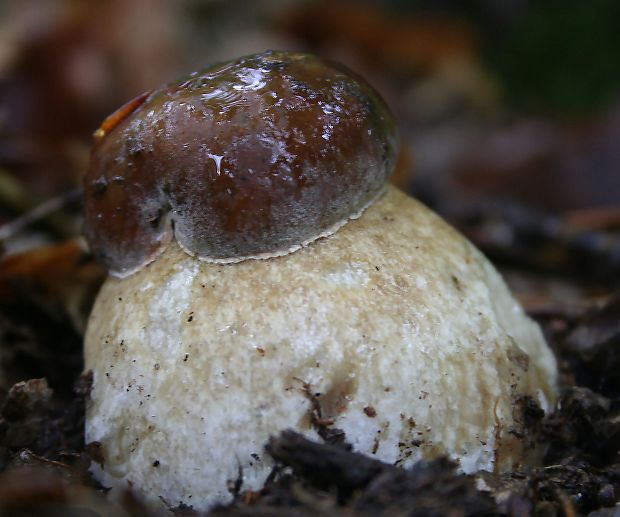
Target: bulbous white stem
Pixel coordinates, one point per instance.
(404, 334)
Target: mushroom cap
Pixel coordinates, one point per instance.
(248, 158)
(395, 329)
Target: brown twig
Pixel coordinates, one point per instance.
(39, 213)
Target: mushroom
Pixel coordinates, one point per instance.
(264, 277)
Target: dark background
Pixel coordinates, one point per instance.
(509, 115)
(509, 110)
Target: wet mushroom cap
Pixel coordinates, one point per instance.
(250, 158)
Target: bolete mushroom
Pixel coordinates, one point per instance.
(264, 277)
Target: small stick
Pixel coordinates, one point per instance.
(39, 212)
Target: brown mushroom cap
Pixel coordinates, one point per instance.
(249, 158)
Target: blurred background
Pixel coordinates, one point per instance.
(509, 110)
(509, 115)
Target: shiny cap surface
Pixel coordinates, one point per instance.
(248, 158)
